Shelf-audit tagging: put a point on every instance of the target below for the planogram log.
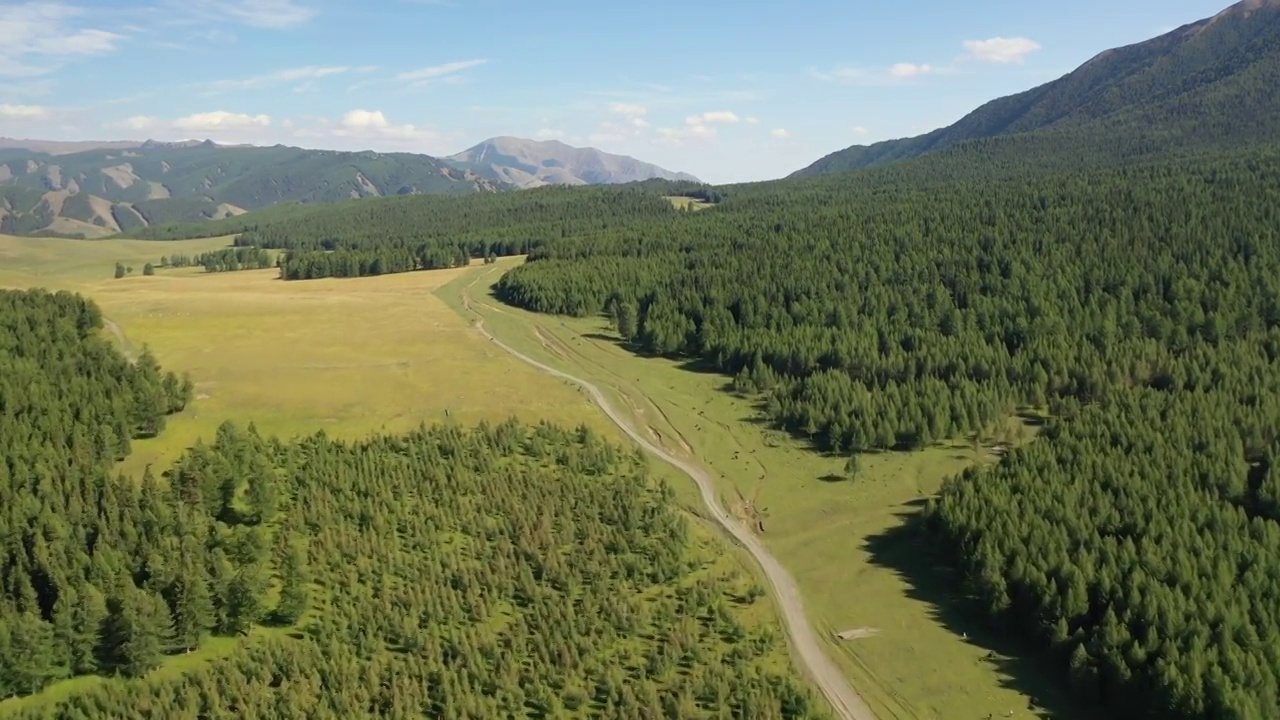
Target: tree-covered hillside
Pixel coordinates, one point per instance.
(1204, 83)
(374, 237)
(502, 571)
(1139, 303)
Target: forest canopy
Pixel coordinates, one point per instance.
(1139, 304)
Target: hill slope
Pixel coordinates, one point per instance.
(1180, 89)
(532, 163)
(102, 191)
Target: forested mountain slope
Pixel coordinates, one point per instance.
(374, 237)
(1181, 89)
(1139, 539)
(505, 571)
(103, 191)
(532, 163)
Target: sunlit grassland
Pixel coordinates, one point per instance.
(847, 542)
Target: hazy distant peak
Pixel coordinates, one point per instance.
(531, 163)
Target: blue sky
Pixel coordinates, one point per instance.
(730, 90)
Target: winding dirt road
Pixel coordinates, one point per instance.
(846, 702)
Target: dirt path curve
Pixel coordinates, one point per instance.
(847, 703)
(112, 327)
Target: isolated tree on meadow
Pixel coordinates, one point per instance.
(852, 466)
(148, 269)
(119, 271)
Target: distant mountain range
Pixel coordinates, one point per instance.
(94, 189)
(531, 163)
(1206, 82)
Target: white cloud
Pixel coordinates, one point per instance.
(365, 119)
(893, 75)
(1001, 49)
(692, 131)
(696, 127)
(359, 129)
(434, 72)
(44, 30)
(906, 70)
(632, 110)
(752, 121)
(137, 122)
(859, 130)
(221, 120)
(310, 72)
(372, 126)
(715, 116)
(780, 133)
(24, 112)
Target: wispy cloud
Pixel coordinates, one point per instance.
(780, 133)
(35, 36)
(893, 75)
(715, 116)
(312, 72)
(435, 72)
(24, 112)
(267, 14)
(628, 109)
(696, 127)
(1000, 49)
(422, 77)
(221, 120)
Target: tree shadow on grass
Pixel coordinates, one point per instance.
(908, 551)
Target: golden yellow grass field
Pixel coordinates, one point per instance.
(348, 356)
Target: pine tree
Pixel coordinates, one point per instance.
(137, 629)
(191, 604)
(294, 577)
(31, 663)
(852, 466)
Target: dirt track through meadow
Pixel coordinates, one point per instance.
(846, 702)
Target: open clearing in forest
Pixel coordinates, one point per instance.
(349, 356)
(844, 541)
(688, 203)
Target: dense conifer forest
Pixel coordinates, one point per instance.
(501, 571)
(1140, 304)
(1137, 302)
(79, 591)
